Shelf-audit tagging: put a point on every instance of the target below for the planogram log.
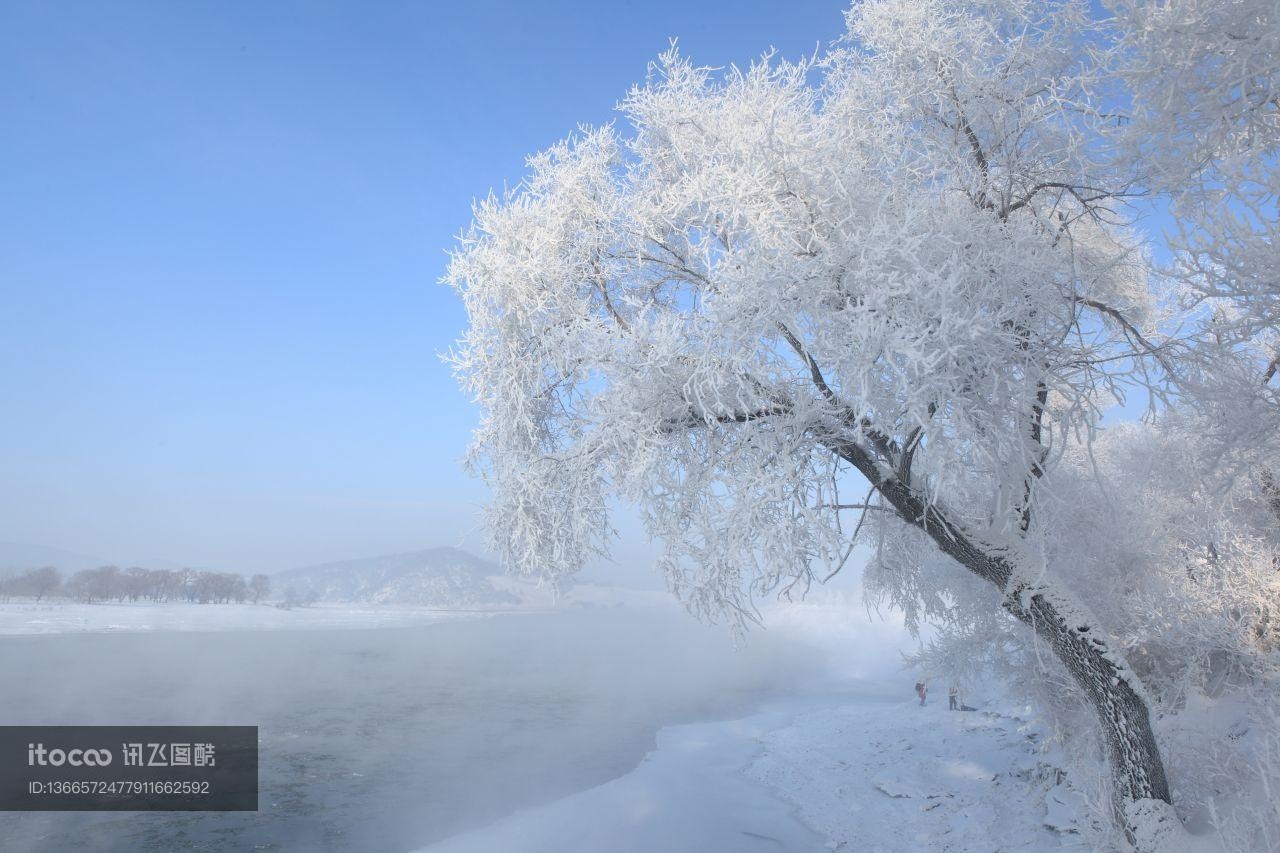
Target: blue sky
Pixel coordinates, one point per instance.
(221, 227)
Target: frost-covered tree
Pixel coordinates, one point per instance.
(259, 587)
(1203, 78)
(903, 265)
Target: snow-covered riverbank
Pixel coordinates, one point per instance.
(869, 775)
(58, 617)
(838, 757)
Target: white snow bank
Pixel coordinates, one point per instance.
(1157, 829)
(57, 616)
(25, 617)
(688, 795)
(862, 776)
(894, 776)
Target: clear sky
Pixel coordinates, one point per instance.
(221, 228)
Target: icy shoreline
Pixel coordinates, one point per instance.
(848, 761)
(390, 738)
(688, 794)
(868, 775)
(25, 618)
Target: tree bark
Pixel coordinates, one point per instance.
(1137, 769)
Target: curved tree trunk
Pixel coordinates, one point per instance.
(1137, 768)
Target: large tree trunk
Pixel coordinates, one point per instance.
(1138, 771)
(1137, 768)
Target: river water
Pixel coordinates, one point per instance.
(389, 738)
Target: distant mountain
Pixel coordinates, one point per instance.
(438, 577)
(20, 556)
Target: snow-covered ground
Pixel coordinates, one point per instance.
(856, 776)
(61, 617)
(859, 766)
(895, 776)
(688, 795)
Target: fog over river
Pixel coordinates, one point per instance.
(390, 738)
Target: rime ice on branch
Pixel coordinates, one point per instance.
(904, 266)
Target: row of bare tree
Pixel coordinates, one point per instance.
(111, 583)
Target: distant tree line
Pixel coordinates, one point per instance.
(111, 583)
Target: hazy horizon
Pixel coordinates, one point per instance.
(631, 569)
(220, 251)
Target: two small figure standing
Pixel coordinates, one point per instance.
(953, 695)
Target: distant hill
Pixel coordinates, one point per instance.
(20, 556)
(438, 577)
